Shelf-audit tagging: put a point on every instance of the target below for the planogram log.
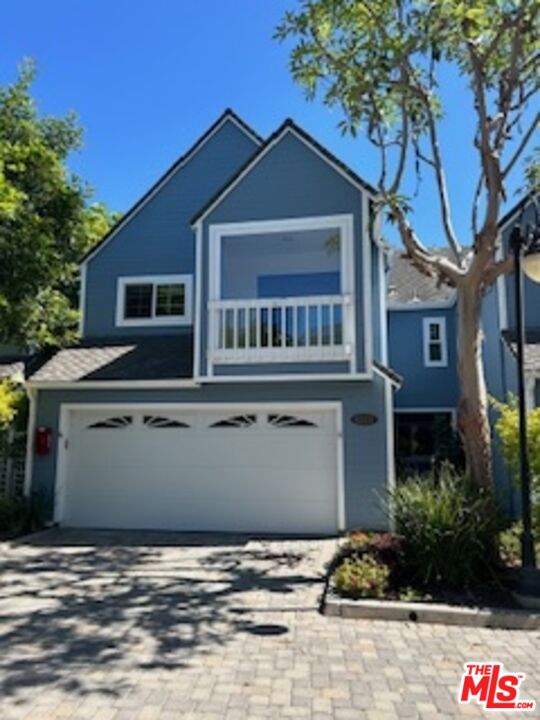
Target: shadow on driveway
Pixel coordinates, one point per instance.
(108, 601)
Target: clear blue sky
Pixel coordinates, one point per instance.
(147, 78)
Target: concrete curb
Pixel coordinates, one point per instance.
(430, 613)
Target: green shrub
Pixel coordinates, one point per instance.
(361, 577)
(507, 427)
(11, 397)
(448, 529)
(510, 544)
(20, 515)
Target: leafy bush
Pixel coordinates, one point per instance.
(361, 577)
(510, 544)
(507, 427)
(10, 400)
(20, 515)
(448, 530)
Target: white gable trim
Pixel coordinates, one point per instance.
(168, 175)
(423, 305)
(249, 167)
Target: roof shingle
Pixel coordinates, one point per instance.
(531, 355)
(163, 357)
(406, 285)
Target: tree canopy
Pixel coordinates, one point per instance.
(47, 220)
(381, 62)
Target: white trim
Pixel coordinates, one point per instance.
(341, 502)
(63, 438)
(291, 377)
(384, 376)
(197, 326)
(30, 432)
(155, 321)
(168, 175)
(287, 129)
(390, 436)
(443, 340)
(82, 299)
(345, 223)
(501, 289)
(383, 312)
(124, 384)
(59, 493)
(367, 277)
(423, 305)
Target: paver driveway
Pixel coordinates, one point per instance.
(126, 627)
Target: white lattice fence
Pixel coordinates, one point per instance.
(12, 465)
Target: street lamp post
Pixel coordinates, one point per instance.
(526, 250)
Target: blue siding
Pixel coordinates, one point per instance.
(291, 181)
(365, 447)
(499, 368)
(532, 289)
(423, 387)
(159, 239)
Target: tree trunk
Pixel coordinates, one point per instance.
(473, 421)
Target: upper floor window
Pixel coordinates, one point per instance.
(435, 342)
(154, 300)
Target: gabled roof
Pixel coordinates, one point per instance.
(407, 286)
(521, 205)
(227, 115)
(288, 126)
(12, 366)
(531, 348)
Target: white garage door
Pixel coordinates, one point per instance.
(263, 470)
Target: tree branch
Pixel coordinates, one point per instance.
(474, 217)
(496, 269)
(522, 145)
(423, 259)
(403, 150)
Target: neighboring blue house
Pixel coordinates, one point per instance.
(232, 373)
(422, 349)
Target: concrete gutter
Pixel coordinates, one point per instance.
(510, 619)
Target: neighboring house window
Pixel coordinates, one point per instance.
(435, 344)
(154, 300)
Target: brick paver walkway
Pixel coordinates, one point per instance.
(156, 627)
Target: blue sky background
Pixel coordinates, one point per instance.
(147, 78)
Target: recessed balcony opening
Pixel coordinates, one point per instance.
(281, 264)
(281, 293)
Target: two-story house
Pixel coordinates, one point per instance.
(232, 373)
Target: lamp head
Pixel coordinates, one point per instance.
(531, 258)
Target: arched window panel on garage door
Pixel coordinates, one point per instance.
(235, 421)
(160, 421)
(289, 421)
(112, 423)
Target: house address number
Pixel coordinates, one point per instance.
(364, 419)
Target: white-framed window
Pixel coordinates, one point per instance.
(154, 300)
(435, 342)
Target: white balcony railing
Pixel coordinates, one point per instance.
(294, 329)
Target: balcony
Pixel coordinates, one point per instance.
(294, 329)
(281, 291)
